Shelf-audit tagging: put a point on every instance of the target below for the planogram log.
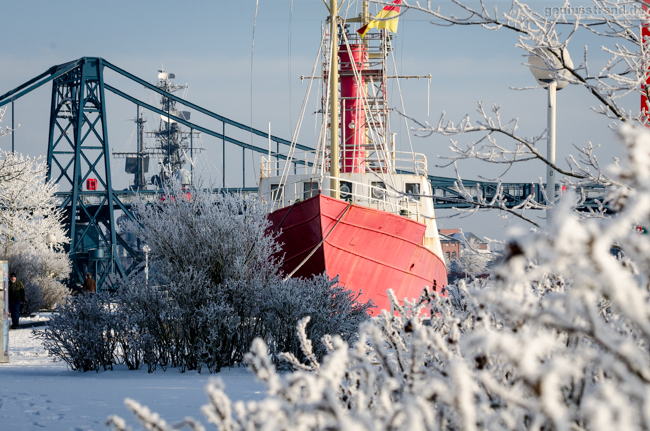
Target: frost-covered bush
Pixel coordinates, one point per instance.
(144, 313)
(187, 324)
(29, 214)
(52, 293)
(272, 310)
(84, 333)
(473, 261)
(40, 270)
(559, 339)
(184, 325)
(214, 286)
(225, 243)
(332, 310)
(223, 235)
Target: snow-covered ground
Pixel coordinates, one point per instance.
(36, 393)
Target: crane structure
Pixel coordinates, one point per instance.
(79, 160)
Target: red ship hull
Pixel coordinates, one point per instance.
(370, 250)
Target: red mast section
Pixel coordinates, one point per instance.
(645, 36)
(353, 124)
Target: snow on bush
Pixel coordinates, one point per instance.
(233, 291)
(213, 288)
(224, 236)
(557, 340)
(332, 310)
(84, 332)
(472, 260)
(40, 269)
(29, 214)
(185, 325)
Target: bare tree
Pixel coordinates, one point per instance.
(473, 261)
(544, 35)
(29, 213)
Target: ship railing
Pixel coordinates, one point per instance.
(399, 160)
(275, 168)
(374, 195)
(373, 162)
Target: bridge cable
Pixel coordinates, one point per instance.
(289, 59)
(401, 98)
(296, 133)
(257, 3)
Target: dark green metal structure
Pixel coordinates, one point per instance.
(78, 151)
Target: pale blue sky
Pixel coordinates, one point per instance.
(207, 44)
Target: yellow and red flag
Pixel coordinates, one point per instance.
(386, 18)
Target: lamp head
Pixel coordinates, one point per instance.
(546, 67)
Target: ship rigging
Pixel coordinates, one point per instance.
(353, 212)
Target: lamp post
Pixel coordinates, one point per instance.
(146, 250)
(547, 68)
(50, 239)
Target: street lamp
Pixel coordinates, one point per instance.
(547, 68)
(146, 249)
(50, 239)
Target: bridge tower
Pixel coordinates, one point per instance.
(78, 160)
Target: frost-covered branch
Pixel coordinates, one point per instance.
(487, 149)
(497, 202)
(7, 129)
(545, 35)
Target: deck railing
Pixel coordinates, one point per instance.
(373, 162)
(350, 191)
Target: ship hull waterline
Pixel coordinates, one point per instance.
(370, 250)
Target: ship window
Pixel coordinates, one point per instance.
(346, 190)
(310, 189)
(276, 192)
(376, 190)
(413, 191)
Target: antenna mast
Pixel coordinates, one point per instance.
(334, 101)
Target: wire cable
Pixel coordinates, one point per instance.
(257, 3)
(289, 60)
(319, 244)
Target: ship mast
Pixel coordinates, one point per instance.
(334, 101)
(140, 182)
(365, 19)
